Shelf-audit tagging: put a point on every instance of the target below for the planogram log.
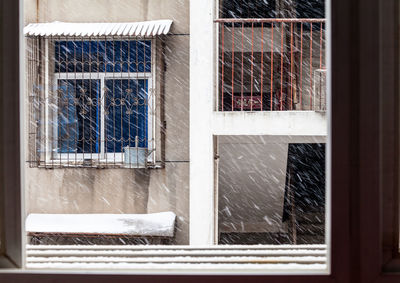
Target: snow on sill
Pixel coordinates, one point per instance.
(152, 224)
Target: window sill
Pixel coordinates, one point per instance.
(103, 164)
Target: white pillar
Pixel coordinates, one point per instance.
(202, 78)
(204, 122)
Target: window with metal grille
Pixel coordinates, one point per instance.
(92, 102)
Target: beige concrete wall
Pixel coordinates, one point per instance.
(124, 190)
(111, 191)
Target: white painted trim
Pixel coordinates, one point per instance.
(150, 118)
(151, 94)
(105, 75)
(116, 157)
(102, 119)
(291, 123)
(102, 77)
(202, 74)
(47, 146)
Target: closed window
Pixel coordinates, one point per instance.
(97, 107)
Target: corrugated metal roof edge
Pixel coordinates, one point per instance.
(142, 29)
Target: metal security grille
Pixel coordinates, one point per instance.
(271, 64)
(91, 101)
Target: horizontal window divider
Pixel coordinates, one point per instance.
(177, 247)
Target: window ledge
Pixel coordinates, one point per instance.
(98, 165)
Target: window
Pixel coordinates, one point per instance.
(92, 100)
(100, 113)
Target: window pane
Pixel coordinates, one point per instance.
(79, 116)
(126, 114)
(100, 56)
(113, 111)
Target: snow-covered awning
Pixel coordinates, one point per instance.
(148, 28)
(155, 224)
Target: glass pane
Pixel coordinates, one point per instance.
(100, 56)
(115, 111)
(126, 114)
(79, 116)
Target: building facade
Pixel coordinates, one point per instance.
(220, 105)
(83, 189)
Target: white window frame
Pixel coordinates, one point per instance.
(51, 124)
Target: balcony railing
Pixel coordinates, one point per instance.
(271, 65)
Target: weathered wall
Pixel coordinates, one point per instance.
(125, 190)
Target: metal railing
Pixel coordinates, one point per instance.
(271, 64)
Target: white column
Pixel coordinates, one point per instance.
(204, 122)
(202, 78)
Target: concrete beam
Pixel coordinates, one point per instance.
(290, 123)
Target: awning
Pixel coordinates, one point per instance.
(148, 28)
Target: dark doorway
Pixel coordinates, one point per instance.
(304, 202)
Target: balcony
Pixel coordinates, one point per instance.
(271, 65)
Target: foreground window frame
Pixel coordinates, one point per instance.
(379, 192)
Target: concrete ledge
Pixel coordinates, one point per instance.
(292, 123)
